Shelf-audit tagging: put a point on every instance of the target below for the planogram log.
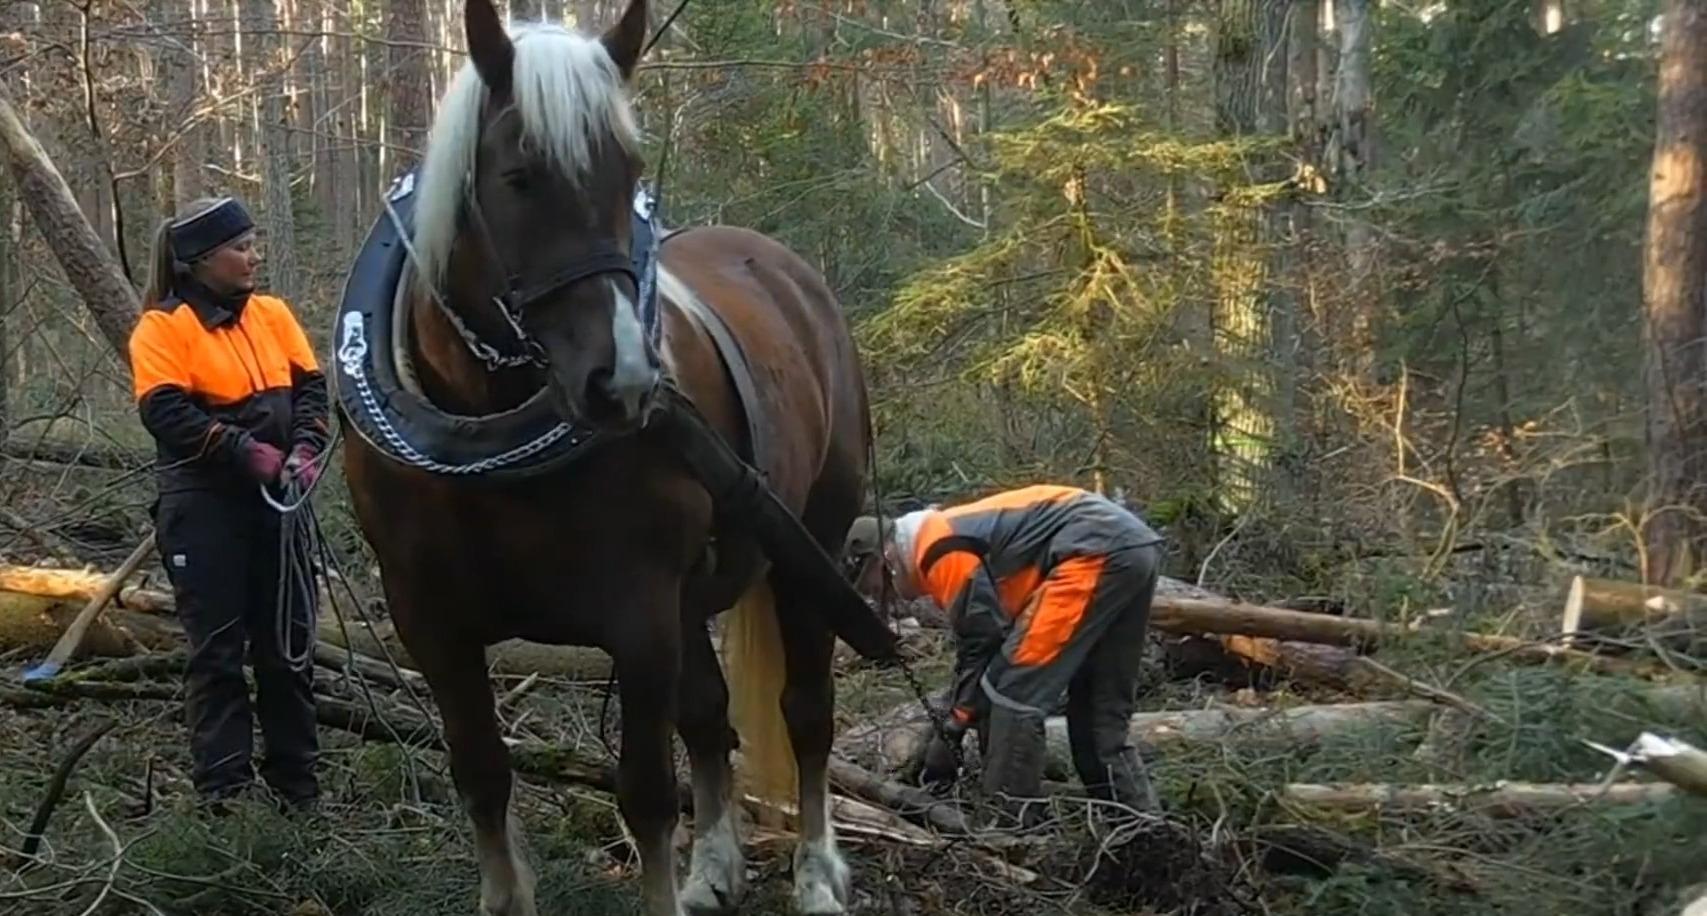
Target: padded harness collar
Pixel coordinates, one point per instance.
(529, 439)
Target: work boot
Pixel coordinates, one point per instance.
(1129, 782)
(1013, 768)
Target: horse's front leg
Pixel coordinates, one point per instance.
(717, 869)
(480, 763)
(648, 665)
(821, 876)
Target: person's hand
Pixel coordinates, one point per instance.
(261, 461)
(939, 763)
(301, 466)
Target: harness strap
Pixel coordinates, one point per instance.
(735, 363)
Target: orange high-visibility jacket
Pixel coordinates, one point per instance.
(1018, 569)
(205, 376)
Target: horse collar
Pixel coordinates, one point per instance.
(529, 439)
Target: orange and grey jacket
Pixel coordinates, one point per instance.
(1019, 570)
(208, 373)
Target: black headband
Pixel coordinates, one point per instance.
(197, 236)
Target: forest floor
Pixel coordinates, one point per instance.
(391, 838)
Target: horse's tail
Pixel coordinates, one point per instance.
(757, 671)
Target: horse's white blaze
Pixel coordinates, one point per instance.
(632, 375)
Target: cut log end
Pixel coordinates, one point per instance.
(1571, 623)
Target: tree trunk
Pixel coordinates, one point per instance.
(90, 267)
(1250, 97)
(1350, 154)
(177, 65)
(1674, 284)
(278, 222)
(408, 78)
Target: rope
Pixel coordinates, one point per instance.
(303, 550)
(297, 601)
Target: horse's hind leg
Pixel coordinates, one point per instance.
(820, 874)
(717, 869)
(480, 764)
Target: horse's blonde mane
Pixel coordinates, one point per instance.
(569, 95)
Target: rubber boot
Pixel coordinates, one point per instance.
(1013, 769)
(1129, 782)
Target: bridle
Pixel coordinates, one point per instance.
(603, 256)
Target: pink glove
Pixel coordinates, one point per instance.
(261, 460)
(302, 466)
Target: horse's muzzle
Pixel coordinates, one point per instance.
(617, 401)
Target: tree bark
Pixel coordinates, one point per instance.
(90, 267)
(278, 222)
(1674, 281)
(1350, 154)
(409, 80)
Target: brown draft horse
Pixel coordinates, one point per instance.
(534, 148)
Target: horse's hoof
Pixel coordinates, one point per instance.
(701, 898)
(820, 882)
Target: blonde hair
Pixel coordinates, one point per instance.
(163, 267)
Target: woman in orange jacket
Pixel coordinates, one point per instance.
(226, 383)
(1049, 590)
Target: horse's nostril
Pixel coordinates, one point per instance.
(604, 399)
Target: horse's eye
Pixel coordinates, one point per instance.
(518, 179)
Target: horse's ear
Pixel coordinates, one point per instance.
(624, 40)
(489, 45)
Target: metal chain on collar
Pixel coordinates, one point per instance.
(483, 351)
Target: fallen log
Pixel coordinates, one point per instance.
(72, 639)
(1504, 799)
(893, 740)
(1677, 762)
(514, 657)
(1594, 604)
(1222, 616)
(1180, 610)
(915, 805)
(61, 451)
(80, 585)
(1630, 615)
(32, 624)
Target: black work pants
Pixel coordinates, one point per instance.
(1104, 693)
(1098, 667)
(221, 552)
